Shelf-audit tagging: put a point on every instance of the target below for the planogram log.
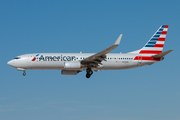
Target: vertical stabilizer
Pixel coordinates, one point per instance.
(156, 43)
(154, 46)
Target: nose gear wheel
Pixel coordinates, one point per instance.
(24, 73)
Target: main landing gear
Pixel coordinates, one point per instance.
(89, 72)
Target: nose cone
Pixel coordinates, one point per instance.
(10, 63)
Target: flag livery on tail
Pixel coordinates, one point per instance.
(154, 45)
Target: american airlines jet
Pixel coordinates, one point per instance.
(73, 63)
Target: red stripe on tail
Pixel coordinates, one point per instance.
(159, 45)
(164, 32)
(161, 39)
(149, 52)
(166, 26)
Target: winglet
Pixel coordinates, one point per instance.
(162, 54)
(118, 40)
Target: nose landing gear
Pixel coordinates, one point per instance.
(89, 72)
(24, 73)
(22, 69)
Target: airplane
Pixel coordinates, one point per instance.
(73, 63)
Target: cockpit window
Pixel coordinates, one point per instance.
(17, 58)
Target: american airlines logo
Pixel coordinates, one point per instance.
(54, 58)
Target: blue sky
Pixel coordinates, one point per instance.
(149, 92)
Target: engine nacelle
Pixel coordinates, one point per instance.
(72, 65)
(69, 72)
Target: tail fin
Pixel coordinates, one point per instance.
(156, 43)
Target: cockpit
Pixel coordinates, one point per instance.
(17, 58)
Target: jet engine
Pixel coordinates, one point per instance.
(72, 65)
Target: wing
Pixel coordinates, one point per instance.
(97, 58)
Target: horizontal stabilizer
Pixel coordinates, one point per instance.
(162, 54)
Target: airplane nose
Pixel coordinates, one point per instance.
(10, 63)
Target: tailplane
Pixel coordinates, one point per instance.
(161, 55)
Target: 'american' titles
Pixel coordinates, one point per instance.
(57, 58)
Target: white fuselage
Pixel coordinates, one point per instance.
(57, 61)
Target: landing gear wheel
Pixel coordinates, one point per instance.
(24, 74)
(89, 72)
(88, 75)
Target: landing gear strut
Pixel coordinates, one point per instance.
(89, 72)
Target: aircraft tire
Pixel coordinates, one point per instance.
(90, 72)
(88, 75)
(24, 74)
